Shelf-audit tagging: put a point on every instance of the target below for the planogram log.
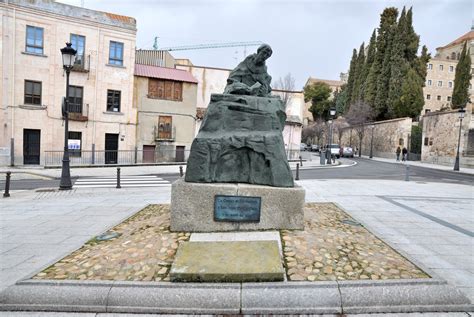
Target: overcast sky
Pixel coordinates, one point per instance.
(309, 37)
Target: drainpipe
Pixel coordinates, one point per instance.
(12, 141)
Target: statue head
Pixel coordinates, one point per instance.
(263, 53)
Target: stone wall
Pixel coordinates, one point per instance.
(440, 138)
(387, 136)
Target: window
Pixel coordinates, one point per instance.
(430, 66)
(32, 92)
(438, 97)
(74, 143)
(75, 99)
(165, 89)
(428, 97)
(113, 100)
(400, 141)
(431, 141)
(427, 111)
(164, 127)
(429, 82)
(450, 84)
(448, 98)
(441, 67)
(451, 69)
(453, 56)
(34, 39)
(426, 142)
(78, 43)
(116, 53)
(440, 83)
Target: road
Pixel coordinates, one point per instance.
(364, 169)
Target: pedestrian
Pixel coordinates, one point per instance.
(341, 152)
(398, 151)
(404, 154)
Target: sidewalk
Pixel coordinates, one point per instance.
(420, 164)
(39, 172)
(431, 223)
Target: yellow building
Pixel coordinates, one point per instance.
(166, 103)
(441, 71)
(102, 116)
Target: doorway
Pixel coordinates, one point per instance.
(149, 154)
(111, 148)
(31, 146)
(179, 153)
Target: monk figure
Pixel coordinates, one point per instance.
(250, 77)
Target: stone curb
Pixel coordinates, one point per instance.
(233, 298)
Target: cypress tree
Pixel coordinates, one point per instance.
(411, 39)
(462, 79)
(359, 68)
(421, 62)
(411, 99)
(398, 66)
(367, 65)
(382, 60)
(351, 79)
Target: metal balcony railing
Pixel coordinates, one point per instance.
(82, 63)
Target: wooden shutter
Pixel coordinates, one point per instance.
(164, 127)
(152, 87)
(168, 90)
(178, 89)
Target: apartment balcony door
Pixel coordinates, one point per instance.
(31, 146)
(111, 148)
(149, 153)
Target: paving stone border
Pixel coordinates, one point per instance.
(333, 297)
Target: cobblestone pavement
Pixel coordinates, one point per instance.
(334, 246)
(143, 251)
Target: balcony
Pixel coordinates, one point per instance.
(78, 112)
(82, 63)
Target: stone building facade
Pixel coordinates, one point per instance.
(166, 104)
(440, 138)
(102, 115)
(441, 71)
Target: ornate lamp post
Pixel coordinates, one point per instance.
(69, 56)
(372, 126)
(461, 116)
(332, 113)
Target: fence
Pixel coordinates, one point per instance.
(120, 157)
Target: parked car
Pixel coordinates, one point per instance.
(302, 147)
(314, 148)
(347, 151)
(334, 148)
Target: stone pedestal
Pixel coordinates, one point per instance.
(192, 206)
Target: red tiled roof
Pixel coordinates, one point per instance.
(121, 18)
(466, 37)
(164, 73)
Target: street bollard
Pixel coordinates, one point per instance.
(118, 178)
(407, 173)
(181, 173)
(301, 161)
(297, 177)
(7, 185)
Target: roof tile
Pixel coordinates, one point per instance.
(164, 73)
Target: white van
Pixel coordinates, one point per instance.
(334, 149)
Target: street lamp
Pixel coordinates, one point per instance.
(372, 126)
(332, 113)
(461, 116)
(69, 56)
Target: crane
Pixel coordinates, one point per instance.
(207, 46)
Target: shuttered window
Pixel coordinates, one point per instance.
(164, 127)
(165, 89)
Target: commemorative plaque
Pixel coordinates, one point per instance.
(237, 208)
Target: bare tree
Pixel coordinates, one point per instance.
(339, 126)
(286, 85)
(314, 132)
(359, 114)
